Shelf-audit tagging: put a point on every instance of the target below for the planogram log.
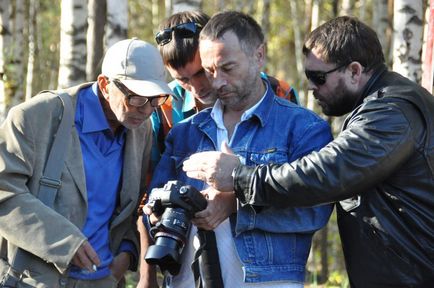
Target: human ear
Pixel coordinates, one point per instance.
(356, 70)
(260, 55)
(103, 85)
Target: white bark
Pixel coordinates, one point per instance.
(362, 9)
(72, 63)
(155, 11)
(310, 103)
(186, 5)
(345, 8)
(5, 40)
(117, 21)
(428, 55)
(33, 4)
(297, 38)
(16, 65)
(265, 19)
(407, 38)
(168, 8)
(381, 22)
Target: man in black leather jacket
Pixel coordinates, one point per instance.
(380, 167)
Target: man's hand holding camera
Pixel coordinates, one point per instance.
(220, 206)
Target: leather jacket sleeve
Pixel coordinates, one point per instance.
(377, 138)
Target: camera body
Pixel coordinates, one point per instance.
(177, 204)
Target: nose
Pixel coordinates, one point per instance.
(146, 109)
(217, 81)
(311, 85)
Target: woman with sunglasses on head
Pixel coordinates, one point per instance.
(380, 167)
(178, 41)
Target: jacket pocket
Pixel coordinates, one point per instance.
(267, 156)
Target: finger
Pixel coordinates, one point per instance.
(196, 174)
(147, 209)
(77, 261)
(92, 257)
(225, 148)
(196, 160)
(82, 260)
(200, 161)
(153, 219)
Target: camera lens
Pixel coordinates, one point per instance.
(165, 254)
(169, 240)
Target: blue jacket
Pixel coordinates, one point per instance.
(273, 244)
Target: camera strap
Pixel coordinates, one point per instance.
(207, 258)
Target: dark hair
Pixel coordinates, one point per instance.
(180, 51)
(247, 30)
(345, 39)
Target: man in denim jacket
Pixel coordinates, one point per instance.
(257, 248)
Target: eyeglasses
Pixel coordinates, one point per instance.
(183, 30)
(137, 100)
(320, 77)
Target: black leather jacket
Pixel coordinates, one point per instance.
(383, 164)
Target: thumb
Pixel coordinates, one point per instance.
(226, 149)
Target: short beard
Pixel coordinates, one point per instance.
(344, 101)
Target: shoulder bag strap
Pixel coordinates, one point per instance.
(49, 183)
(50, 180)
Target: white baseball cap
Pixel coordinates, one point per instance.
(138, 65)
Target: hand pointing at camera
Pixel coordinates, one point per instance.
(214, 168)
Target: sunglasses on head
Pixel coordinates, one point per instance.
(137, 100)
(320, 77)
(183, 30)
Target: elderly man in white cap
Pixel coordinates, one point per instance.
(87, 237)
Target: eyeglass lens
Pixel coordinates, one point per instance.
(320, 77)
(137, 100)
(184, 30)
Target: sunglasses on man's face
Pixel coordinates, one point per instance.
(183, 30)
(137, 100)
(320, 77)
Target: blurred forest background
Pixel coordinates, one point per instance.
(47, 44)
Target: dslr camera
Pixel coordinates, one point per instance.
(177, 204)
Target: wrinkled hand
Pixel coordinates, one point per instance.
(86, 257)
(214, 168)
(220, 206)
(120, 265)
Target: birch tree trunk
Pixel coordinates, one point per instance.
(16, 64)
(33, 5)
(117, 21)
(168, 8)
(221, 5)
(265, 19)
(95, 37)
(380, 23)
(298, 44)
(72, 63)
(407, 38)
(428, 61)
(186, 5)
(345, 8)
(362, 10)
(155, 13)
(310, 100)
(5, 40)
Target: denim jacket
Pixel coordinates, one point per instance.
(273, 244)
